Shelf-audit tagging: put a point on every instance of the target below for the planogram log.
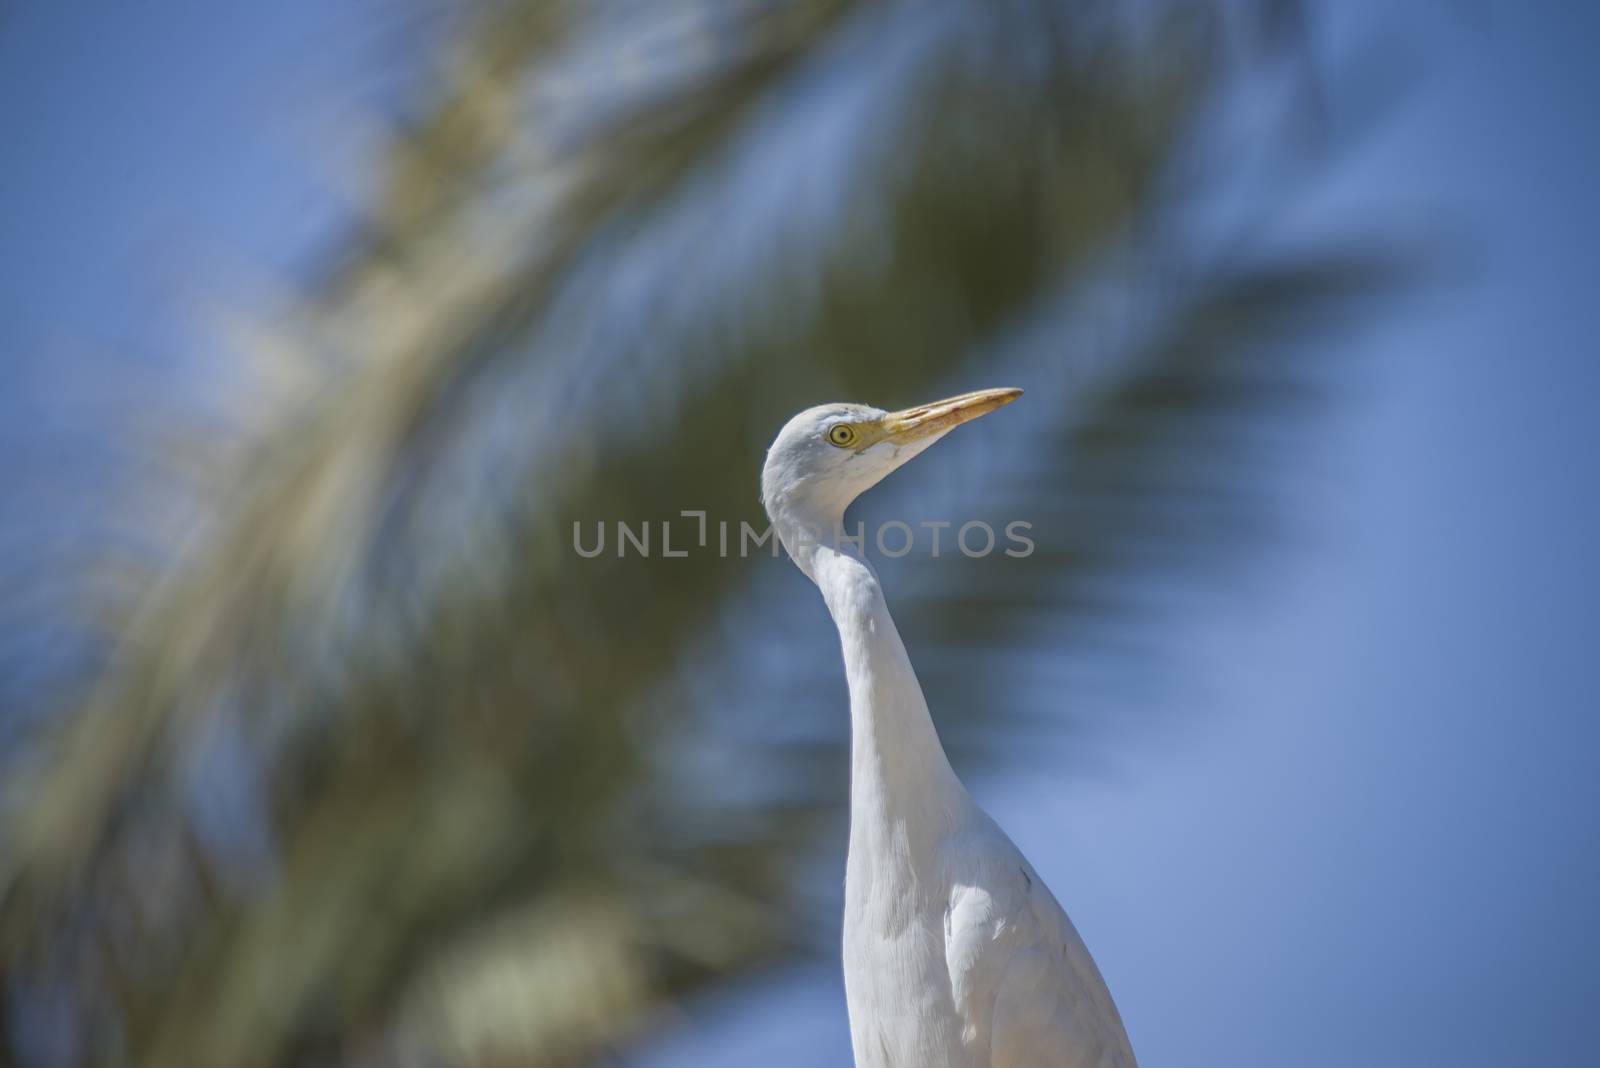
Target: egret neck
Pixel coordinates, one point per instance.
(901, 783)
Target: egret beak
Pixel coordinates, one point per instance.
(914, 424)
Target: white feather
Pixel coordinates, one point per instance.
(955, 953)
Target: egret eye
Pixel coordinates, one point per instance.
(842, 435)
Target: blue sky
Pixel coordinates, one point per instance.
(146, 156)
(1378, 846)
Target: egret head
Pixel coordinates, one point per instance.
(827, 456)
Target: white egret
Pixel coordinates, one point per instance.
(955, 952)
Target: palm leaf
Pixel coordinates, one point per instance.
(376, 763)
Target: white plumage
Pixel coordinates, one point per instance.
(955, 953)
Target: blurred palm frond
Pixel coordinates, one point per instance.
(376, 766)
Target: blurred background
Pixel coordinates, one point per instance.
(323, 324)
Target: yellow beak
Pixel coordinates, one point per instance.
(913, 424)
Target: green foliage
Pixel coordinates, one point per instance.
(616, 247)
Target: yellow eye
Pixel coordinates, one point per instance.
(842, 435)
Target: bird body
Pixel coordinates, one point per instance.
(955, 953)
